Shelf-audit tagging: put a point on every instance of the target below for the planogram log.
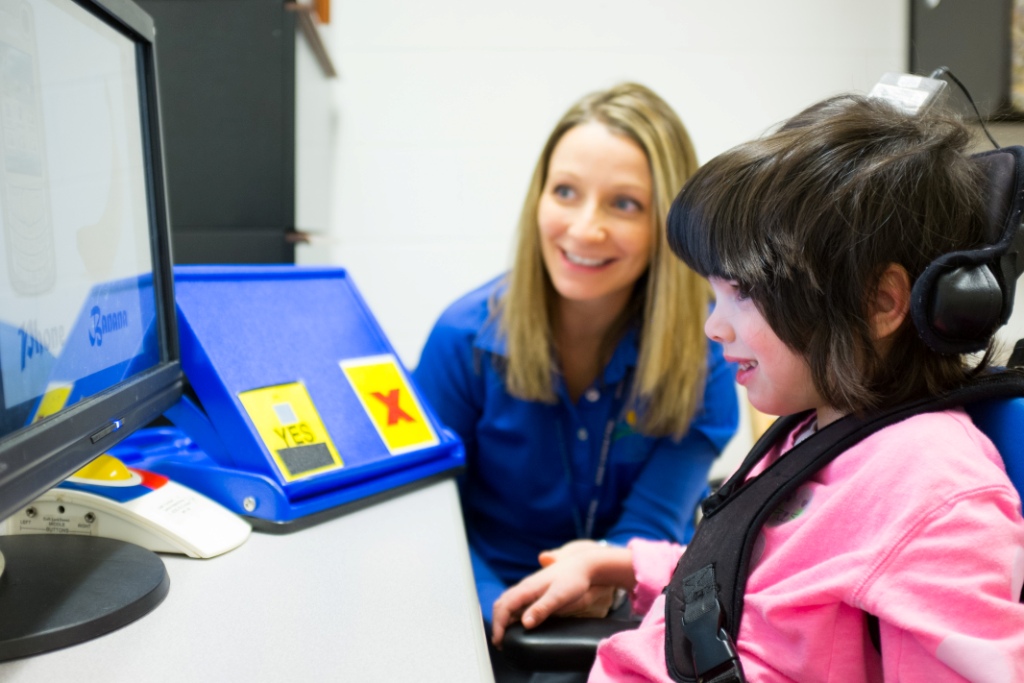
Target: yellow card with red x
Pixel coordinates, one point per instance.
(390, 403)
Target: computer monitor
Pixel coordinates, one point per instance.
(88, 343)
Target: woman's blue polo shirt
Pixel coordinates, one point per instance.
(531, 467)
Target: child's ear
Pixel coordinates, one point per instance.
(892, 301)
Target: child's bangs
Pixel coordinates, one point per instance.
(711, 227)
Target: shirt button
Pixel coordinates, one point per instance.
(592, 395)
(582, 434)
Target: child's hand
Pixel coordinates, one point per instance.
(578, 547)
(573, 581)
(596, 601)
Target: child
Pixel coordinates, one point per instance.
(811, 238)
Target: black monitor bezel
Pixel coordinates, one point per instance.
(37, 457)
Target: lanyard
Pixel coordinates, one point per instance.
(586, 530)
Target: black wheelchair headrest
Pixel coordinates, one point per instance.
(963, 297)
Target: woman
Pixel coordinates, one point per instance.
(589, 402)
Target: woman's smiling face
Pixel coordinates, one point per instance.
(595, 216)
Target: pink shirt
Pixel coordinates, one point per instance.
(917, 524)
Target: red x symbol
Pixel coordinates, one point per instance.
(395, 413)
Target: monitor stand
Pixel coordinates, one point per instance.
(57, 591)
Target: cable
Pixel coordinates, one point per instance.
(945, 71)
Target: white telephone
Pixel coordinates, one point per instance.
(106, 498)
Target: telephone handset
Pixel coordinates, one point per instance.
(106, 498)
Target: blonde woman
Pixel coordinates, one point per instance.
(590, 403)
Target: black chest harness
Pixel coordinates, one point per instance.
(704, 601)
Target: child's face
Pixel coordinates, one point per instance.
(595, 216)
(777, 379)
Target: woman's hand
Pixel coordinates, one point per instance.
(577, 579)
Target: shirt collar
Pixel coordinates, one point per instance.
(489, 337)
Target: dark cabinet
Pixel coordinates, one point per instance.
(227, 81)
(973, 39)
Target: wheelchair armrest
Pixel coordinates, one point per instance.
(560, 643)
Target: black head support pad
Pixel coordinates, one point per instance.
(963, 297)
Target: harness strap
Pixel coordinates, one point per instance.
(718, 556)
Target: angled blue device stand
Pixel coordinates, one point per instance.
(259, 346)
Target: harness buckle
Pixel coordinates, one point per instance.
(712, 649)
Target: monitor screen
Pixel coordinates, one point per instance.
(88, 344)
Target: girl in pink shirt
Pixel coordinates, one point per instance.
(812, 238)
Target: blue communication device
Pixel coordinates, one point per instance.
(297, 407)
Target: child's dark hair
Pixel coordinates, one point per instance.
(807, 219)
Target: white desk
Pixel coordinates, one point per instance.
(382, 594)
